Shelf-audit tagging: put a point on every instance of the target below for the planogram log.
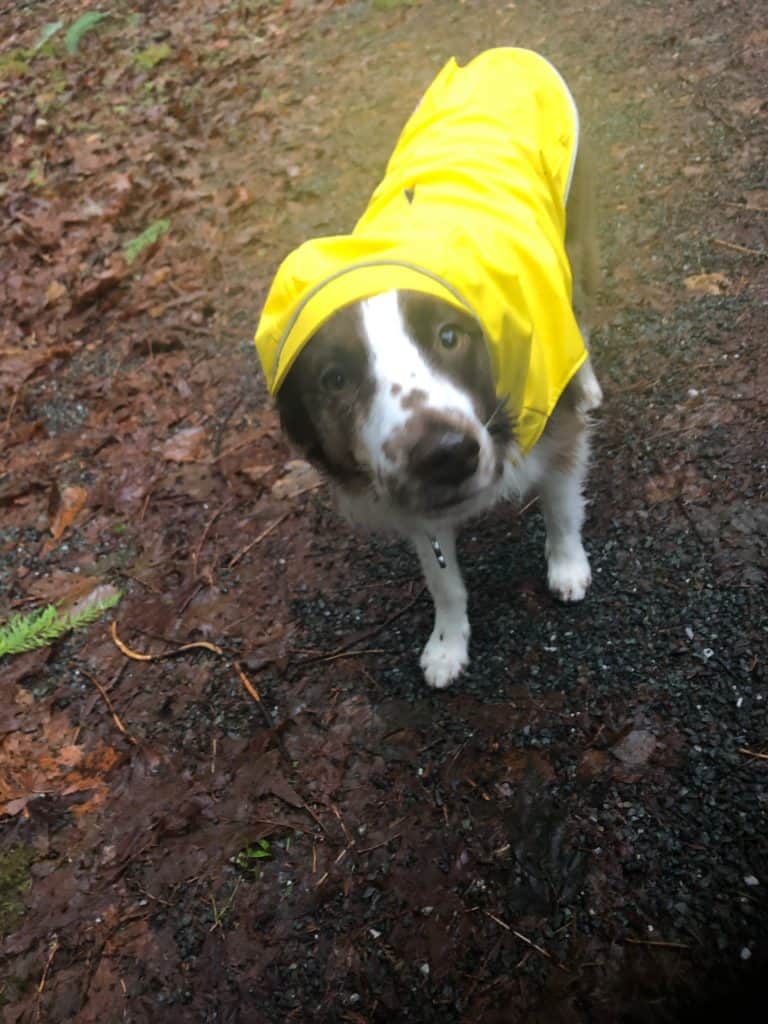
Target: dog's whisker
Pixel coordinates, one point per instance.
(502, 402)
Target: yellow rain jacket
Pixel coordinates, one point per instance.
(472, 210)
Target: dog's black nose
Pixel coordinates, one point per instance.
(444, 455)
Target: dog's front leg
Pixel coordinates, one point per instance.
(562, 502)
(446, 653)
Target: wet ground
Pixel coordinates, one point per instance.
(575, 832)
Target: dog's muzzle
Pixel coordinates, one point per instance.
(443, 456)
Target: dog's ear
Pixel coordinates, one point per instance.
(296, 419)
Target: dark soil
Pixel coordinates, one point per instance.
(576, 831)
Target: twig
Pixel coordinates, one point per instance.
(218, 915)
(761, 253)
(640, 385)
(12, 408)
(384, 842)
(312, 487)
(41, 984)
(351, 654)
(137, 656)
(257, 540)
(256, 696)
(657, 942)
(340, 820)
(330, 655)
(198, 550)
(184, 300)
(246, 682)
(527, 941)
(745, 206)
(108, 702)
(232, 449)
(753, 753)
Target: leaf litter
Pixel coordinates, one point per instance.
(564, 836)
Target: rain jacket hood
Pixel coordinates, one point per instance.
(471, 209)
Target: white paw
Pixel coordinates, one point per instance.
(569, 578)
(591, 398)
(591, 393)
(445, 657)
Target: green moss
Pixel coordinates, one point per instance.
(152, 56)
(14, 64)
(15, 881)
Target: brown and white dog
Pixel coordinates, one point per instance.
(394, 398)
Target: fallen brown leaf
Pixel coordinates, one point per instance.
(635, 748)
(187, 445)
(256, 472)
(708, 284)
(299, 476)
(68, 503)
(55, 291)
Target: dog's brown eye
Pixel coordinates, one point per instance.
(333, 379)
(449, 336)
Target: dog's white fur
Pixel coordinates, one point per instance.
(398, 366)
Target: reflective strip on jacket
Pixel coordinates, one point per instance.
(471, 210)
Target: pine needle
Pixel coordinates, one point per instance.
(42, 627)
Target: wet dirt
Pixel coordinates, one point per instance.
(576, 831)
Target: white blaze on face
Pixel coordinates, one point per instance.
(399, 369)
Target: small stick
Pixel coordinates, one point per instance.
(366, 636)
(137, 656)
(247, 683)
(231, 450)
(384, 842)
(351, 654)
(527, 941)
(637, 386)
(739, 248)
(347, 836)
(657, 942)
(41, 984)
(184, 300)
(14, 400)
(257, 540)
(312, 487)
(746, 206)
(257, 697)
(198, 550)
(108, 702)
(753, 753)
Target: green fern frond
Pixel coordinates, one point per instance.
(38, 629)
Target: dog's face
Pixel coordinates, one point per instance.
(396, 394)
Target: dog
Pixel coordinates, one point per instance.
(434, 361)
